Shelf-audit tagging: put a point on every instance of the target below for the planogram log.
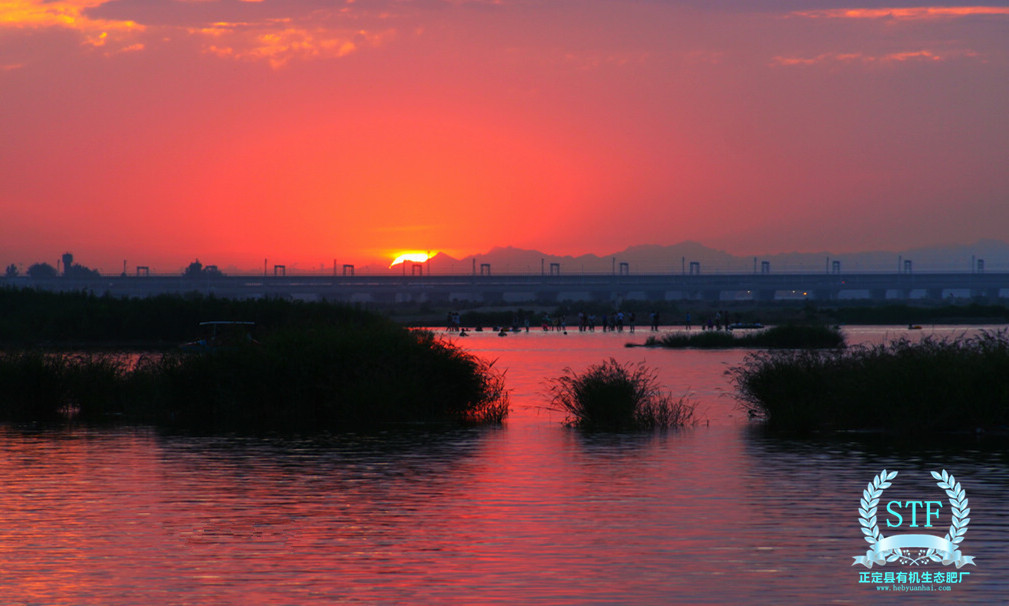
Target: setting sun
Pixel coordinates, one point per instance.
(416, 257)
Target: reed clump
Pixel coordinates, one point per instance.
(42, 386)
(614, 396)
(786, 336)
(935, 385)
(708, 339)
(327, 378)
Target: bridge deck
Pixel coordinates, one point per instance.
(547, 287)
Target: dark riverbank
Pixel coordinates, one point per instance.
(76, 321)
(332, 378)
(311, 366)
(81, 321)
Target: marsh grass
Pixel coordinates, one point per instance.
(331, 379)
(935, 385)
(786, 336)
(614, 396)
(708, 339)
(75, 320)
(44, 386)
(328, 378)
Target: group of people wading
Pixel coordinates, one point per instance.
(614, 321)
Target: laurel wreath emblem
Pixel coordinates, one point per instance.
(961, 511)
(870, 528)
(867, 505)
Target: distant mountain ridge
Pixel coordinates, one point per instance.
(676, 259)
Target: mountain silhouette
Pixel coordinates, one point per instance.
(676, 259)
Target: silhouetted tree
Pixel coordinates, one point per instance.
(12, 271)
(42, 270)
(197, 270)
(79, 272)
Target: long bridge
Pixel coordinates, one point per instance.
(508, 289)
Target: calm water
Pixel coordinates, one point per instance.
(531, 513)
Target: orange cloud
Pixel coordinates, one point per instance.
(912, 56)
(918, 12)
(278, 42)
(112, 35)
(867, 59)
(62, 13)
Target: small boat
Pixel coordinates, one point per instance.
(223, 334)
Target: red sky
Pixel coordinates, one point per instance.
(305, 131)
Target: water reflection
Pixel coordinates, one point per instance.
(814, 486)
(531, 513)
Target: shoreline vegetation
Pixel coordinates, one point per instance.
(610, 396)
(787, 336)
(315, 366)
(76, 321)
(82, 321)
(325, 366)
(674, 313)
(932, 386)
(331, 378)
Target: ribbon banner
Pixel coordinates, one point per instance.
(889, 549)
(949, 552)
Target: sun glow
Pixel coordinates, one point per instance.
(416, 257)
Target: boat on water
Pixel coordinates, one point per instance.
(221, 334)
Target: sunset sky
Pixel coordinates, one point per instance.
(303, 131)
